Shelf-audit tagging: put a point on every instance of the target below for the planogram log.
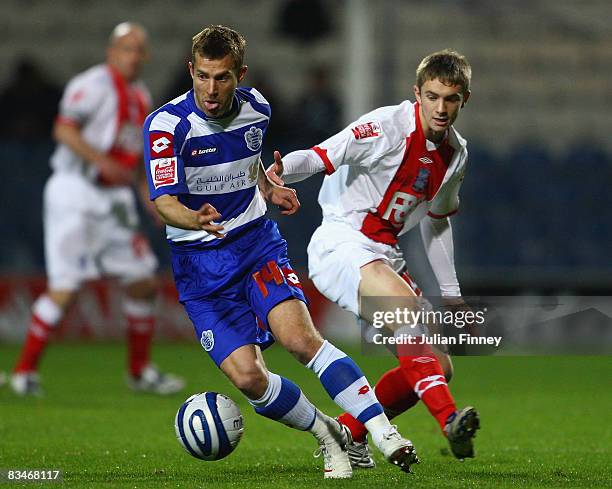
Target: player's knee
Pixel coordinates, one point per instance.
(62, 298)
(446, 364)
(144, 289)
(303, 347)
(252, 382)
(447, 367)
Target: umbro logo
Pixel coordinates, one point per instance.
(425, 160)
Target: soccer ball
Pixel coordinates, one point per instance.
(209, 425)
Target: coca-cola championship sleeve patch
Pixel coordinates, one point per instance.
(164, 171)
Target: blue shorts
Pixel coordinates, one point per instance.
(228, 290)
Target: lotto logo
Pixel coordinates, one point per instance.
(162, 144)
(291, 277)
(364, 390)
(164, 171)
(367, 130)
(271, 273)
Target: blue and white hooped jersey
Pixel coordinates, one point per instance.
(203, 160)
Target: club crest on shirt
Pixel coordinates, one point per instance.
(367, 130)
(421, 181)
(254, 138)
(207, 340)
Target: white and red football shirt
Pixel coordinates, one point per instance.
(384, 176)
(110, 113)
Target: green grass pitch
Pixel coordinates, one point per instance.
(545, 423)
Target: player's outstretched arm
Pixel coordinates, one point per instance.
(296, 166)
(173, 213)
(285, 198)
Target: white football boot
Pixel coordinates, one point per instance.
(153, 381)
(332, 445)
(397, 450)
(26, 384)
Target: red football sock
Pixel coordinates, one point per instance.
(34, 346)
(424, 373)
(139, 337)
(394, 394)
(358, 430)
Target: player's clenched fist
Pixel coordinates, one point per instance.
(111, 172)
(285, 198)
(274, 190)
(206, 216)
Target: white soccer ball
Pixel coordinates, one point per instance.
(209, 425)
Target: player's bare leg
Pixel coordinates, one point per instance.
(47, 312)
(139, 309)
(63, 298)
(246, 369)
(343, 380)
(293, 328)
(422, 376)
(278, 398)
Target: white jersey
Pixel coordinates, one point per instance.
(91, 229)
(384, 176)
(110, 113)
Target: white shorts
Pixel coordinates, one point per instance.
(336, 254)
(92, 231)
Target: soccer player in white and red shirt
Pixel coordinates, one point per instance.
(390, 170)
(90, 216)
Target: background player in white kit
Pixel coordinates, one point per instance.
(392, 169)
(90, 215)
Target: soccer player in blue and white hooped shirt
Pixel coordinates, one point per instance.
(202, 156)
